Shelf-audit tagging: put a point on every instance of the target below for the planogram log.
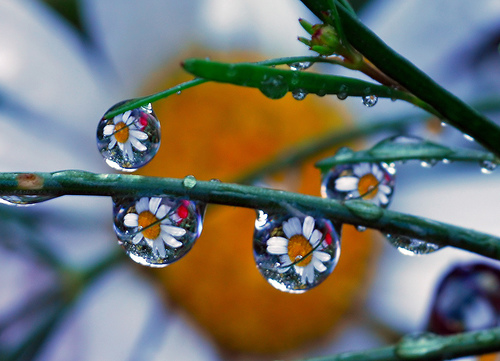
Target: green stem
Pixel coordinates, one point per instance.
(457, 113)
(257, 76)
(428, 347)
(356, 212)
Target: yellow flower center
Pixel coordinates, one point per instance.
(298, 248)
(146, 219)
(121, 132)
(367, 186)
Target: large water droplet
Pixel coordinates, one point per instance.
(274, 87)
(299, 94)
(295, 253)
(369, 100)
(411, 246)
(372, 182)
(156, 231)
(487, 166)
(24, 200)
(342, 94)
(129, 140)
(303, 65)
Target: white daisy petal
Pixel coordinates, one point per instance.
(112, 143)
(138, 134)
(295, 226)
(309, 273)
(361, 169)
(173, 231)
(162, 212)
(277, 241)
(120, 145)
(277, 249)
(137, 145)
(127, 151)
(108, 130)
(308, 227)
(385, 188)
(315, 238)
(142, 205)
(383, 198)
(137, 238)
(322, 256)
(118, 119)
(160, 247)
(131, 220)
(288, 229)
(346, 184)
(320, 267)
(154, 203)
(171, 241)
(126, 117)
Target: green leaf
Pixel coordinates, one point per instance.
(405, 148)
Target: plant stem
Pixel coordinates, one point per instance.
(457, 113)
(356, 212)
(428, 347)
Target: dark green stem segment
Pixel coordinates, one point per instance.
(428, 347)
(275, 83)
(356, 212)
(456, 112)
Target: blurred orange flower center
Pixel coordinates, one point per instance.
(367, 186)
(121, 132)
(147, 219)
(298, 248)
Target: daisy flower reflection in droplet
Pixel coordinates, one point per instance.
(154, 226)
(366, 183)
(125, 133)
(299, 246)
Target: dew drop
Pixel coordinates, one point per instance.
(468, 137)
(157, 231)
(444, 124)
(369, 100)
(303, 65)
(295, 253)
(419, 345)
(179, 92)
(373, 182)
(429, 163)
(342, 94)
(24, 200)
(411, 246)
(129, 140)
(189, 182)
(488, 166)
(360, 228)
(299, 94)
(274, 87)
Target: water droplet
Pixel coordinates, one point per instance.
(429, 163)
(369, 100)
(342, 94)
(444, 125)
(360, 228)
(372, 182)
(156, 231)
(179, 92)
(418, 345)
(411, 246)
(295, 253)
(299, 94)
(300, 65)
(488, 166)
(274, 87)
(189, 182)
(129, 140)
(24, 200)
(468, 137)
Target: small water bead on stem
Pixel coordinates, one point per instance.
(129, 140)
(295, 253)
(157, 231)
(274, 87)
(369, 100)
(372, 182)
(301, 65)
(24, 200)
(411, 246)
(488, 166)
(299, 94)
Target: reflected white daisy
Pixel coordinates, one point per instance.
(366, 182)
(125, 133)
(299, 248)
(154, 226)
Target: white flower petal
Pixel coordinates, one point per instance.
(382, 198)
(292, 227)
(346, 184)
(162, 212)
(171, 241)
(322, 256)
(385, 188)
(362, 169)
(137, 238)
(315, 238)
(154, 203)
(277, 241)
(142, 205)
(108, 130)
(138, 134)
(127, 151)
(173, 231)
(320, 267)
(112, 143)
(309, 273)
(137, 145)
(131, 220)
(126, 117)
(308, 227)
(159, 247)
(277, 249)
